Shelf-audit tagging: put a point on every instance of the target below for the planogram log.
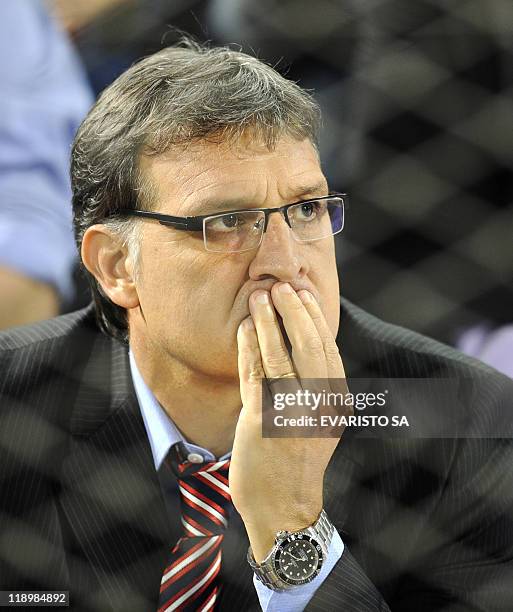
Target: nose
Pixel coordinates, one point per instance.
(279, 256)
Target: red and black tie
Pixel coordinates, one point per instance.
(190, 578)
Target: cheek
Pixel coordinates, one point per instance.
(190, 286)
(168, 272)
(326, 280)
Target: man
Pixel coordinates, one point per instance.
(135, 472)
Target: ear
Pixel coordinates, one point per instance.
(109, 262)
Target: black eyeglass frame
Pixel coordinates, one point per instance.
(195, 223)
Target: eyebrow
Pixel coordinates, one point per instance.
(215, 203)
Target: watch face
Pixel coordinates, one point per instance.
(298, 559)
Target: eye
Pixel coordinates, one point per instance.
(227, 223)
(308, 211)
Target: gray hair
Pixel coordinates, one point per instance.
(183, 93)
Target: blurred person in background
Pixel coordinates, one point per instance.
(80, 13)
(44, 98)
(111, 35)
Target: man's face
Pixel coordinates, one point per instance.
(192, 300)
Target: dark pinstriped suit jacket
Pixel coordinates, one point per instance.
(427, 524)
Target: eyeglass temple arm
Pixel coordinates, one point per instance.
(180, 223)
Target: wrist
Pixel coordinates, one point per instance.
(262, 532)
(296, 557)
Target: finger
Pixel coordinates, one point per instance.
(251, 370)
(334, 363)
(276, 360)
(307, 347)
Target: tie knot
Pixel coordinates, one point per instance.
(204, 493)
(186, 469)
(177, 460)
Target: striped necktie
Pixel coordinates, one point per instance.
(190, 579)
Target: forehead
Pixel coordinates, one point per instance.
(204, 174)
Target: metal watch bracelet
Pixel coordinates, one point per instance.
(321, 531)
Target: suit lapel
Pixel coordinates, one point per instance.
(111, 496)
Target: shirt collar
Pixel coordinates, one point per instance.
(162, 432)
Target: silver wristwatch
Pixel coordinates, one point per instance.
(296, 557)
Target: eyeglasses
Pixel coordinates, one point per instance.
(235, 231)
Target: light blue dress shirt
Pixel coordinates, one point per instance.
(162, 434)
(493, 346)
(44, 96)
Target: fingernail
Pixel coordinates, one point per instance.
(262, 298)
(285, 288)
(248, 324)
(306, 296)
